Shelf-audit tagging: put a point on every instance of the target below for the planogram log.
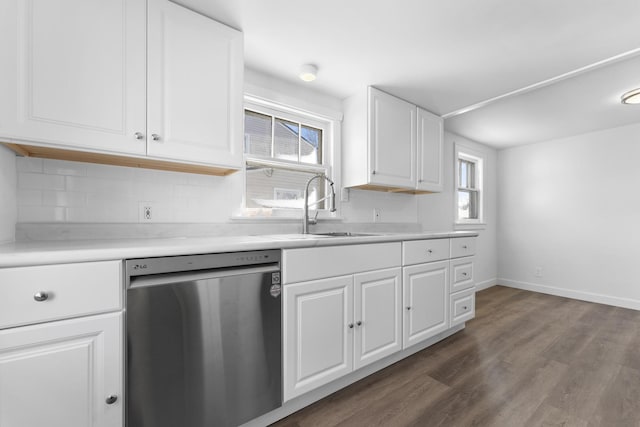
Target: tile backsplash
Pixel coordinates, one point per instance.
(61, 191)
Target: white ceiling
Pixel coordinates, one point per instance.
(449, 55)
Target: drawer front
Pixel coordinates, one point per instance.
(51, 292)
(421, 251)
(461, 277)
(463, 306)
(300, 265)
(463, 246)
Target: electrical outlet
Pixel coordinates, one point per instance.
(344, 194)
(538, 271)
(376, 215)
(145, 212)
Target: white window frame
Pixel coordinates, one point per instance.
(330, 159)
(468, 154)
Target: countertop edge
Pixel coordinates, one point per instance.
(22, 254)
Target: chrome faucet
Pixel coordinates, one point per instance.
(305, 209)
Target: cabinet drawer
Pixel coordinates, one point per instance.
(65, 290)
(421, 251)
(463, 246)
(300, 265)
(463, 306)
(461, 277)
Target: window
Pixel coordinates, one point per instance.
(283, 150)
(469, 167)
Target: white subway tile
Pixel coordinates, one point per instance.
(29, 164)
(61, 167)
(41, 214)
(29, 197)
(102, 186)
(110, 172)
(63, 198)
(38, 181)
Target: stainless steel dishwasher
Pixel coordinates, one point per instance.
(204, 342)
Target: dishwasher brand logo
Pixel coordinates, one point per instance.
(140, 266)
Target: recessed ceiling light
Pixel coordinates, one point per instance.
(308, 72)
(631, 97)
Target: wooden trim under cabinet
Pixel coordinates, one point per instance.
(373, 187)
(115, 160)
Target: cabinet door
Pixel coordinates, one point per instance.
(59, 374)
(426, 301)
(430, 135)
(73, 73)
(195, 70)
(318, 333)
(392, 140)
(378, 320)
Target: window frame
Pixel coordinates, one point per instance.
(329, 158)
(467, 154)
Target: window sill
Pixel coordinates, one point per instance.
(470, 225)
(279, 215)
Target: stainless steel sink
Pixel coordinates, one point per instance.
(343, 234)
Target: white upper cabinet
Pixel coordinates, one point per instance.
(152, 83)
(430, 137)
(392, 134)
(73, 73)
(195, 71)
(390, 144)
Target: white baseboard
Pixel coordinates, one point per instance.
(486, 284)
(569, 293)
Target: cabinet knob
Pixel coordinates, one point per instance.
(41, 296)
(350, 325)
(464, 307)
(373, 172)
(111, 399)
(359, 323)
(420, 180)
(155, 137)
(138, 135)
(464, 246)
(408, 308)
(429, 251)
(464, 274)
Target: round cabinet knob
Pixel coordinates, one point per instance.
(429, 251)
(359, 323)
(350, 325)
(464, 307)
(41, 296)
(111, 399)
(155, 137)
(373, 172)
(464, 274)
(138, 135)
(464, 246)
(408, 308)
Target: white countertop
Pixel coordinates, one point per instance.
(69, 251)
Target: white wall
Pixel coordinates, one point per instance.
(7, 195)
(572, 208)
(436, 211)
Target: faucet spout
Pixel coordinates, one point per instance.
(305, 207)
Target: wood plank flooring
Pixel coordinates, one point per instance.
(527, 359)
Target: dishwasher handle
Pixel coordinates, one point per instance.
(188, 276)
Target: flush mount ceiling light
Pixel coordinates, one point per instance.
(308, 72)
(631, 97)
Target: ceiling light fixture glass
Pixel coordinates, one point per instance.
(308, 72)
(631, 97)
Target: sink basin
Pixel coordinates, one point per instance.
(343, 234)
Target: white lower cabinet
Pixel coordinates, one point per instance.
(426, 301)
(333, 326)
(66, 373)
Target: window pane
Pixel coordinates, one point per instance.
(281, 188)
(286, 140)
(257, 134)
(466, 174)
(467, 204)
(311, 145)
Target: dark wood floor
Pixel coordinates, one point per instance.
(527, 359)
